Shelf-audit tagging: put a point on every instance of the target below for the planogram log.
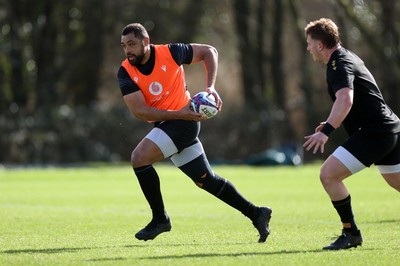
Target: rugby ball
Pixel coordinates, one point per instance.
(204, 103)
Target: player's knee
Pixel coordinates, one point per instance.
(199, 181)
(134, 160)
(327, 176)
(200, 172)
(137, 160)
(210, 182)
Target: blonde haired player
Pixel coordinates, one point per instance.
(372, 126)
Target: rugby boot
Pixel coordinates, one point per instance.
(345, 241)
(261, 223)
(153, 229)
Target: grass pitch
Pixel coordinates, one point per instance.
(89, 215)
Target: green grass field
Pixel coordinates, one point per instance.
(89, 215)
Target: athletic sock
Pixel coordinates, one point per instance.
(150, 185)
(232, 197)
(343, 208)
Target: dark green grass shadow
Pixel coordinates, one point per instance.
(77, 249)
(394, 221)
(266, 253)
(59, 250)
(155, 258)
(210, 255)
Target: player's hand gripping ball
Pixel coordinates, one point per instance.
(204, 103)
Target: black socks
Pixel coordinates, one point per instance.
(232, 197)
(343, 208)
(150, 185)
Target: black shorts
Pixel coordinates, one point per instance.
(178, 140)
(181, 132)
(379, 149)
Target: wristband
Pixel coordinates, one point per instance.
(327, 129)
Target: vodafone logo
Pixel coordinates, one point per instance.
(155, 88)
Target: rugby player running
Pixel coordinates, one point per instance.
(152, 82)
(372, 126)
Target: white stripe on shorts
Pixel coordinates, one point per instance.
(348, 159)
(389, 169)
(163, 141)
(188, 154)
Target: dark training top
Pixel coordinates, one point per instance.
(369, 111)
(182, 54)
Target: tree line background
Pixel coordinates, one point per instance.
(59, 96)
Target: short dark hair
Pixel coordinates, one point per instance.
(324, 30)
(137, 29)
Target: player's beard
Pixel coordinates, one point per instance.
(136, 59)
(317, 57)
